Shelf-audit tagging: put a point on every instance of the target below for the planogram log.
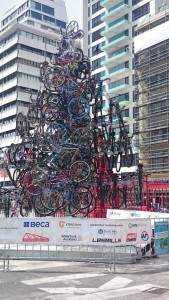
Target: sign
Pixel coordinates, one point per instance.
(129, 214)
(161, 237)
(70, 231)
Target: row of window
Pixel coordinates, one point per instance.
(37, 37)
(21, 61)
(119, 67)
(8, 134)
(41, 7)
(14, 14)
(47, 19)
(28, 76)
(8, 120)
(118, 36)
(119, 51)
(118, 83)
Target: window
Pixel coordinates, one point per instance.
(98, 76)
(118, 36)
(36, 5)
(48, 19)
(96, 64)
(60, 24)
(88, 39)
(121, 98)
(96, 21)
(48, 10)
(96, 50)
(88, 25)
(134, 2)
(141, 11)
(88, 11)
(96, 35)
(125, 113)
(118, 83)
(96, 7)
(119, 67)
(36, 15)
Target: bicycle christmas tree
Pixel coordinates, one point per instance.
(69, 148)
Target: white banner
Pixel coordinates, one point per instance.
(128, 214)
(70, 231)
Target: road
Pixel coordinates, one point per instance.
(35, 280)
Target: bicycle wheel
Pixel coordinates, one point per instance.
(128, 155)
(50, 111)
(40, 209)
(54, 78)
(11, 153)
(82, 137)
(21, 124)
(81, 198)
(116, 202)
(24, 207)
(16, 177)
(79, 171)
(20, 153)
(78, 55)
(72, 28)
(78, 108)
(118, 161)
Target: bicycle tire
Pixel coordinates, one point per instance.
(72, 28)
(21, 124)
(40, 209)
(24, 208)
(118, 161)
(78, 108)
(80, 175)
(11, 153)
(82, 137)
(54, 78)
(84, 199)
(128, 155)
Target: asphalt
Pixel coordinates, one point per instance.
(51, 280)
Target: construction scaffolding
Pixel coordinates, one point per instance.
(152, 104)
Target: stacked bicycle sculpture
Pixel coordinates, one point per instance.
(68, 147)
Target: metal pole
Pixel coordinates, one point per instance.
(114, 261)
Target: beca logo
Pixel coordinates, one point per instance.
(145, 236)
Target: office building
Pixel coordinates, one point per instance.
(28, 36)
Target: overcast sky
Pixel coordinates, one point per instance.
(74, 8)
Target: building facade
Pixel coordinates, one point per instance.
(111, 27)
(152, 93)
(28, 36)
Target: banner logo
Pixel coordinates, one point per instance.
(61, 224)
(35, 224)
(145, 236)
(131, 237)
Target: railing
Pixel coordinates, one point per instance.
(98, 254)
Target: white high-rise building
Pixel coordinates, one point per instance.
(28, 34)
(110, 28)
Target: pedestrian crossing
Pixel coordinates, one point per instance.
(113, 288)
